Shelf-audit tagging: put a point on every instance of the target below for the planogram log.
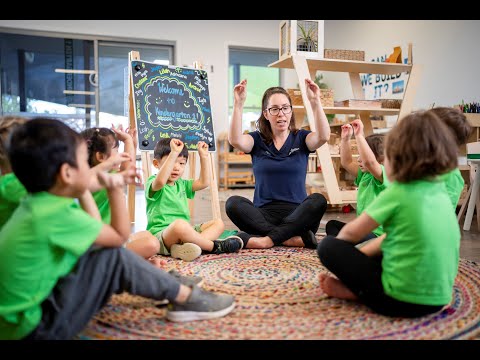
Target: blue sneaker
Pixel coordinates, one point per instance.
(229, 245)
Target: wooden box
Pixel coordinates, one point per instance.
(370, 104)
(326, 97)
(344, 54)
(391, 103)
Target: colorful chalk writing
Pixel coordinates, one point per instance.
(171, 102)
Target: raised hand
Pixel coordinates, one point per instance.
(347, 132)
(176, 145)
(121, 134)
(358, 127)
(114, 161)
(202, 149)
(132, 131)
(240, 92)
(313, 91)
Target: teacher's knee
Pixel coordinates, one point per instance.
(317, 203)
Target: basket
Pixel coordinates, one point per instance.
(326, 97)
(391, 103)
(357, 55)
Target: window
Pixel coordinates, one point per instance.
(253, 66)
(56, 76)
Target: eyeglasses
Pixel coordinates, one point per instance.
(275, 110)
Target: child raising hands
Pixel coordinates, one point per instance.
(168, 213)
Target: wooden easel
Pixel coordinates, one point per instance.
(146, 157)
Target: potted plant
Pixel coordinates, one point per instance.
(307, 37)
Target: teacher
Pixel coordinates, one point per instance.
(281, 212)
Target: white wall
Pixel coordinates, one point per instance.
(447, 49)
(206, 41)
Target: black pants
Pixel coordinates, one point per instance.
(279, 220)
(363, 276)
(333, 227)
(98, 275)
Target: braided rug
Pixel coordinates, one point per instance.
(278, 297)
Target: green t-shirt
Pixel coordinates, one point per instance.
(103, 204)
(368, 189)
(11, 191)
(454, 182)
(421, 250)
(40, 244)
(167, 204)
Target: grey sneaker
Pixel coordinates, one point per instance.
(186, 280)
(189, 281)
(201, 305)
(186, 252)
(229, 245)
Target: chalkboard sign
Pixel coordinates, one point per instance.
(171, 102)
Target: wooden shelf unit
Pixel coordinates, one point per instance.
(307, 68)
(234, 170)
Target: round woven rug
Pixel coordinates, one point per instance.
(278, 297)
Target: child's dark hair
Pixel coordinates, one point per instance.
(376, 142)
(39, 148)
(263, 125)
(162, 148)
(456, 121)
(99, 139)
(7, 125)
(420, 146)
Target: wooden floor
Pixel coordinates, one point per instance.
(469, 246)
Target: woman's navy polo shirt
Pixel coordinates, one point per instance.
(280, 174)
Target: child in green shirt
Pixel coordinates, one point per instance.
(11, 190)
(458, 124)
(368, 169)
(59, 263)
(410, 270)
(168, 213)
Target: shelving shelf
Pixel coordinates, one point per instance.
(352, 110)
(307, 68)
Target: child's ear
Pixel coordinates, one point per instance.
(65, 175)
(155, 163)
(100, 157)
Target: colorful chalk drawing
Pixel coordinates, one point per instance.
(171, 102)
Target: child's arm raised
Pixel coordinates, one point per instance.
(346, 158)
(358, 228)
(107, 165)
(367, 155)
(205, 169)
(176, 146)
(116, 234)
(129, 143)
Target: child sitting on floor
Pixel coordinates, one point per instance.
(11, 189)
(168, 213)
(59, 263)
(458, 124)
(369, 171)
(410, 270)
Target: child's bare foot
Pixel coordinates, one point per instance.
(157, 262)
(335, 288)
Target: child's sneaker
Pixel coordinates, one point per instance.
(186, 280)
(201, 305)
(189, 281)
(186, 252)
(228, 245)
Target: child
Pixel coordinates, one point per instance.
(410, 270)
(52, 279)
(11, 190)
(458, 124)
(369, 171)
(102, 144)
(167, 207)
